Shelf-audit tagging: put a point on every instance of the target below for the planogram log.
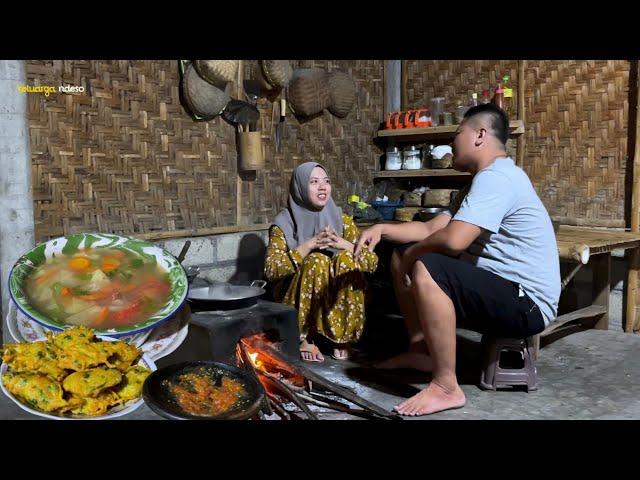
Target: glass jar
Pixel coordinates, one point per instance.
(411, 159)
(437, 107)
(393, 161)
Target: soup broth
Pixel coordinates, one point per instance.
(100, 288)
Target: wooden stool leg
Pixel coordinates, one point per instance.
(632, 318)
(601, 268)
(534, 346)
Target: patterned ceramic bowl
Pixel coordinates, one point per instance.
(71, 244)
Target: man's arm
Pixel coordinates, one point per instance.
(413, 231)
(401, 232)
(452, 240)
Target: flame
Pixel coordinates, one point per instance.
(254, 359)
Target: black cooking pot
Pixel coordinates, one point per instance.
(157, 395)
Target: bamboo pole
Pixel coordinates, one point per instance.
(573, 252)
(632, 322)
(584, 222)
(199, 232)
(520, 146)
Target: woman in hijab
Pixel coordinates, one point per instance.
(310, 262)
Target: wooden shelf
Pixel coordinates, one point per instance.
(425, 172)
(516, 128)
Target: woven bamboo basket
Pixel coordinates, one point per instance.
(277, 73)
(203, 99)
(308, 91)
(217, 72)
(407, 214)
(444, 162)
(437, 198)
(412, 199)
(343, 94)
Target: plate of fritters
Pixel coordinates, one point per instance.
(75, 375)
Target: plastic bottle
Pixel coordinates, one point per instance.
(498, 97)
(474, 100)
(486, 98)
(508, 95)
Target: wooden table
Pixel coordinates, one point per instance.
(593, 247)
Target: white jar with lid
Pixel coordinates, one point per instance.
(412, 159)
(393, 161)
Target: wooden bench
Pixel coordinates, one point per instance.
(593, 247)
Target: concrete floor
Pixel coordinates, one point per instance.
(592, 374)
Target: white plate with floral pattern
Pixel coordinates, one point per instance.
(156, 343)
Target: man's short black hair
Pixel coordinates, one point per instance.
(498, 119)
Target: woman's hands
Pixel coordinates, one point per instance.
(333, 240)
(327, 238)
(314, 243)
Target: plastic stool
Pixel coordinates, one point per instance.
(494, 376)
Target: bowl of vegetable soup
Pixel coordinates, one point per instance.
(118, 286)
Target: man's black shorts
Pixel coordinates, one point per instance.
(484, 301)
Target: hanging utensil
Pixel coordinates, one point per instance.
(252, 93)
(280, 127)
(240, 112)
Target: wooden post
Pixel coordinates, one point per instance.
(632, 318)
(601, 268)
(239, 94)
(520, 152)
(392, 86)
(403, 101)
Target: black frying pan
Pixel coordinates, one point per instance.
(159, 398)
(224, 296)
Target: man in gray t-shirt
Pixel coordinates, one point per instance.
(517, 241)
(490, 264)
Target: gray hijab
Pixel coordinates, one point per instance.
(300, 220)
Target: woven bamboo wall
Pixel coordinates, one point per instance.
(125, 157)
(576, 126)
(344, 146)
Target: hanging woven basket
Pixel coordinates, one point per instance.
(203, 99)
(217, 72)
(277, 73)
(343, 94)
(308, 91)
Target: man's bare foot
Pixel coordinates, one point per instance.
(417, 361)
(310, 352)
(434, 398)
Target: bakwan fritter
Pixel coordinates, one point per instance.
(73, 372)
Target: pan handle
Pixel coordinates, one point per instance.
(259, 283)
(183, 252)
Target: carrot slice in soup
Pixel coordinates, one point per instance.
(44, 277)
(79, 263)
(110, 263)
(102, 316)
